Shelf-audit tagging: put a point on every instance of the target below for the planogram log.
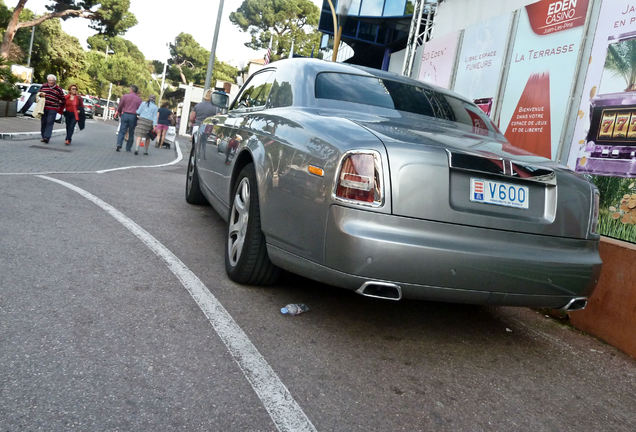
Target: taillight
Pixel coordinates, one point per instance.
(595, 210)
(360, 179)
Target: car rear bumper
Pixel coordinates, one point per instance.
(449, 262)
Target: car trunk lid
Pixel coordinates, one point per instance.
(438, 167)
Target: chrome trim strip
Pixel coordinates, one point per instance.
(386, 284)
(508, 170)
(567, 307)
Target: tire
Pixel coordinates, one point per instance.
(246, 259)
(193, 194)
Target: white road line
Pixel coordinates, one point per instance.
(276, 398)
(177, 160)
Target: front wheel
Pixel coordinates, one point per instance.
(193, 192)
(246, 259)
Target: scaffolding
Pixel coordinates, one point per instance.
(423, 15)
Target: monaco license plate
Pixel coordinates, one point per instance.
(499, 193)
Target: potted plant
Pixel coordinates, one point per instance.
(8, 91)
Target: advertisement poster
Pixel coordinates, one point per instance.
(23, 73)
(480, 61)
(540, 79)
(438, 59)
(604, 141)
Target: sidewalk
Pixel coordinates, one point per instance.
(23, 127)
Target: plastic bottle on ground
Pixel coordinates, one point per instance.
(294, 309)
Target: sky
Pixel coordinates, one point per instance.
(159, 22)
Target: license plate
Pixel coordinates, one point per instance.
(499, 193)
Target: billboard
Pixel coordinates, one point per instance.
(438, 59)
(542, 68)
(604, 140)
(480, 61)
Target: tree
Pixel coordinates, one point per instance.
(8, 91)
(283, 21)
(123, 66)
(61, 54)
(189, 62)
(110, 17)
(115, 44)
(187, 58)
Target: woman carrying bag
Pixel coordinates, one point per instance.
(146, 121)
(74, 104)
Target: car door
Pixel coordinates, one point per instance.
(231, 135)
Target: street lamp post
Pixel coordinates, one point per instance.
(208, 75)
(163, 80)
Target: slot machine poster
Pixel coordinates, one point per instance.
(542, 67)
(438, 59)
(605, 131)
(480, 60)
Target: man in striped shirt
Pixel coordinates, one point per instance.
(54, 104)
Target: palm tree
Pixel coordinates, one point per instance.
(621, 58)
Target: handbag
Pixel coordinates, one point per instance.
(82, 118)
(38, 110)
(152, 134)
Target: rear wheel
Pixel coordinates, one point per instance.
(193, 192)
(246, 259)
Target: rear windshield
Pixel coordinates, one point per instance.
(399, 96)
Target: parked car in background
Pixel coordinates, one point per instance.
(89, 106)
(27, 98)
(393, 188)
(100, 105)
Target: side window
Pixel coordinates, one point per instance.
(281, 94)
(256, 91)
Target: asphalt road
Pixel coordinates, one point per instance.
(98, 332)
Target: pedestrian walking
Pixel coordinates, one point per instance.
(54, 104)
(72, 112)
(127, 111)
(146, 121)
(203, 110)
(163, 122)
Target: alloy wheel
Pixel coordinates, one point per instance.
(239, 218)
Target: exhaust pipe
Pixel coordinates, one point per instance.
(577, 303)
(381, 290)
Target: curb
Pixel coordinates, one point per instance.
(21, 136)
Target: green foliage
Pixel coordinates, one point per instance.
(189, 61)
(614, 228)
(614, 206)
(611, 189)
(8, 90)
(223, 71)
(115, 44)
(110, 17)
(56, 52)
(284, 20)
(621, 58)
(121, 70)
